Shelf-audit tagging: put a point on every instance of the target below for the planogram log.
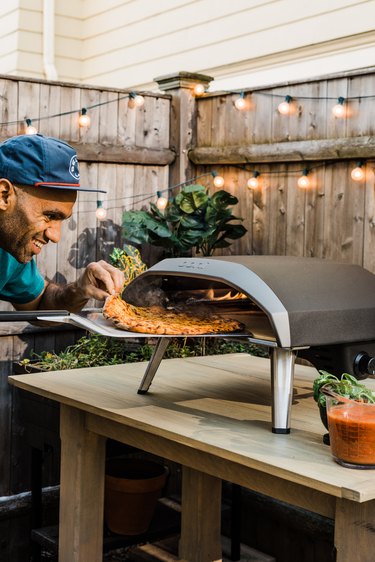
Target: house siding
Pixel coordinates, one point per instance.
(243, 43)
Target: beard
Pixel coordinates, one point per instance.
(11, 242)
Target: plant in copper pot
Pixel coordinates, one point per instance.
(345, 386)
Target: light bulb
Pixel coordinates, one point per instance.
(339, 110)
(285, 107)
(253, 183)
(84, 119)
(135, 100)
(358, 173)
(199, 89)
(240, 103)
(303, 182)
(161, 203)
(219, 181)
(30, 129)
(139, 100)
(101, 212)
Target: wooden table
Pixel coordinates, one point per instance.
(212, 415)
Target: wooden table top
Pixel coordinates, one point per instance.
(217, 404)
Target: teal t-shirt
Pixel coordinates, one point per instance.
(19, 282)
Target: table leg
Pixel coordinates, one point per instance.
(200, 517)
(355, 531)
(81, 490)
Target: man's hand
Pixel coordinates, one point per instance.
(99, 280)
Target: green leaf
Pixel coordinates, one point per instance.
(191, 222)
(222, 199)
(193, 188)
(235, 231)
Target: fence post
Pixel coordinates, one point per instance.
(183, 118)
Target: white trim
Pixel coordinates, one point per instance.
(49, 40)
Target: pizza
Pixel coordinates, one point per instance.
(158, 320)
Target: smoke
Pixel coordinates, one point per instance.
(145, 292)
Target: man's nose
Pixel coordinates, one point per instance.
(53, 232)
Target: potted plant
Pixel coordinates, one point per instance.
(345, 386)
(193, 219)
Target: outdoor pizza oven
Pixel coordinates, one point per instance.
(312, 308)
(316, 309)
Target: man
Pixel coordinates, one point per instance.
(39, 180)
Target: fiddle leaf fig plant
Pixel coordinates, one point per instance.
(193, 219)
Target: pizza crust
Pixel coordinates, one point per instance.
(158, 320)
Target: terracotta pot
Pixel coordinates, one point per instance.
(132, 488)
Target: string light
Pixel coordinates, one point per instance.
(136, 100)
(253, 183)
(240, 102)
(162, 202)
(218, 180)
(30, 129)
(199, 90)
(285, 107)
(339, 110)
(84, 119)
(304, 182)
(358, 173)
(101, 212)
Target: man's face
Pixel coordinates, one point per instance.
(33, 218)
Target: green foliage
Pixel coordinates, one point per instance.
(95, 350)
(347, 386)
(192, 219)
(128, 259)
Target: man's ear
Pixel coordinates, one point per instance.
(6, 193)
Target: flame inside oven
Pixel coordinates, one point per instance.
(217, 295)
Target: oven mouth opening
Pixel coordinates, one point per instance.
(202, 297)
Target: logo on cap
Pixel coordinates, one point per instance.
(73, 167)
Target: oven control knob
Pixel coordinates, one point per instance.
(364, 365)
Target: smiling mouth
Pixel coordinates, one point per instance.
(38, 244)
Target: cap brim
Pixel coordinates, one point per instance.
(72, 188)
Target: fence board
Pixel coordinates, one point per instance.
(263, 111)
(28, 104)
(8, 108)
(205, 122)
(70, 99)
(108, 118)
(295, 228)
(314, 215)
(278, 202)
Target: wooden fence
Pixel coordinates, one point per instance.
(332, 219)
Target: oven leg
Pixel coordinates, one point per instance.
(282, 373)
(153, 365)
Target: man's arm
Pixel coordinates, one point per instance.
(98, 281)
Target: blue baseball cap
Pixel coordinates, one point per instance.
(41, 161)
